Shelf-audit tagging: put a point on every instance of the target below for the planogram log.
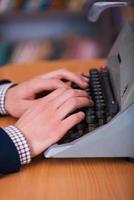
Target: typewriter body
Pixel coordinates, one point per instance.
(116, 137)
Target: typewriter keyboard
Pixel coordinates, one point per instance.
(104, 109)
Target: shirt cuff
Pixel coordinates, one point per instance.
(3, 91)
(20, 142)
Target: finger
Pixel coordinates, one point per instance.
(47, 102)
(69, 93)
(53, 95)
(85, 77)
(37, 85)
(71, 105)
(71, 121)
(65, 74)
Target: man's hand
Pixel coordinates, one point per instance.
(21, 97)
(64, 74)
(49, 118)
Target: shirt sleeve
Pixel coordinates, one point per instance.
(14, 133)
(3, 91)
(20, 143)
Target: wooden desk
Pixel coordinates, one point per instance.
(65, 179)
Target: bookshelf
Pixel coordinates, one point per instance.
(59, 30)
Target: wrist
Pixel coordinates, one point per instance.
(36, 144)
(26, 134)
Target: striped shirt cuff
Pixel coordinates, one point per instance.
(3, 91)
(20, 142)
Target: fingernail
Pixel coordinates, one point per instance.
(85, 78)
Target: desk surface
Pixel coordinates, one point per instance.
(65, 179)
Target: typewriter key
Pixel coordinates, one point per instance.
(101, 117)
(93, 71)
(97, 89)
(81, 126)
(97, 97)
(101, 121)
(97, 93)
(90, 119)
(96, 86)
(95, 82)
(89, 111)
(94, 79)
(99, 101)
(100, 106)
(91, 127)
(100, 113)
(95, 76)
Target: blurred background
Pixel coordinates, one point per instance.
(32, 30)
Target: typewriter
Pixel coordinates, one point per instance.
(108, 129)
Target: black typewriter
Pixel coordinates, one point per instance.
(104, 109)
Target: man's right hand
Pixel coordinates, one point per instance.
(49, 118)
